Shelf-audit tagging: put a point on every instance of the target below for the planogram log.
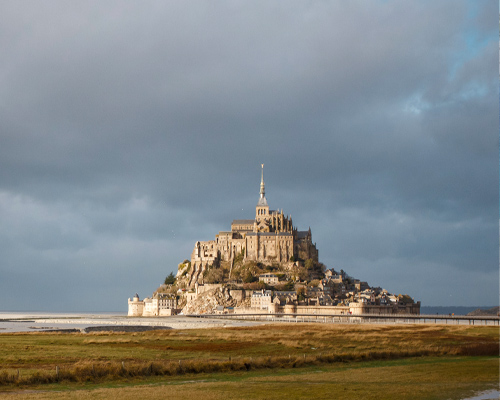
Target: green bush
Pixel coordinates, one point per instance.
(170, 279)
(249, 278)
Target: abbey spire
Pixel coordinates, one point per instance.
(262, 200)
(262, 186)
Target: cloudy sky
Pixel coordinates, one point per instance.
(130, 130)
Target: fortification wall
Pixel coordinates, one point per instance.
(352, 309)
(323, 310)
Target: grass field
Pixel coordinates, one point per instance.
(271, 361)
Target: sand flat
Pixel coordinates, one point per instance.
(39, 321)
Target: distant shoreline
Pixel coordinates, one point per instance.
(445, 310)
(62, 313)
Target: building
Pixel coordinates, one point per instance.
(159, 304)
(262, 300)
(269, 237)
(135, 306)
(269, 279)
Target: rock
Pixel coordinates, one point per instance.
(207, 302)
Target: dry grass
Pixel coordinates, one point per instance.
(85, 371)
(447, 377)
(32, 358)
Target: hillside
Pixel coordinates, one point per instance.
(229, 285)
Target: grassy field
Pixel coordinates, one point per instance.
(271, 361)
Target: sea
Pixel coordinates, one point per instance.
(36, 321)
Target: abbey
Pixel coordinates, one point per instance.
(269, 237)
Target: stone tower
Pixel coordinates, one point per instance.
(262, 216)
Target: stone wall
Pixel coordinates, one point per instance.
(352, 309)
(207, 286)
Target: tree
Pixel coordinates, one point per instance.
(250, 278)
(309, 264)
(302, 274)
(236, 274)
(322, 267)
(262, 285)
(213, 275)
(170, 279)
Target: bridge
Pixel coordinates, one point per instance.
(362, 318)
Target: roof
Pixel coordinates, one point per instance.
(243, 221)
(262, 293)
(269, 234)
(262, 202)
(302, 234)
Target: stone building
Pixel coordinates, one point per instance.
(159, 304)
(269, 237)
(270, 279)
(135, 306)
(262, 300)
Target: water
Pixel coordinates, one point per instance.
(40, 321)
(43, 321)
(488, 395)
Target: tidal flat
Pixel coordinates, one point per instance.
(266, 361)
(39, 321)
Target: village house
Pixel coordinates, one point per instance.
(333, 276)
(261, 300)
(269, 279)
(286, 297)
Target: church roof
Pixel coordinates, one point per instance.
(269, 234)
(243, 221)
(302, 234)
(262, 202)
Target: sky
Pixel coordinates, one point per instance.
(131, 130)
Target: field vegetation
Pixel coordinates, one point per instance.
(232, 355)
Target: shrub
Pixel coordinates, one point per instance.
(170, 279)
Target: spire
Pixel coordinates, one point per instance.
(262, 186)
(262, 200)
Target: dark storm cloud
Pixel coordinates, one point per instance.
(129, 131)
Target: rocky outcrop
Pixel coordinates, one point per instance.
(207, 302)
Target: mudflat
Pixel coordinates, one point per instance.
(31, 322)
